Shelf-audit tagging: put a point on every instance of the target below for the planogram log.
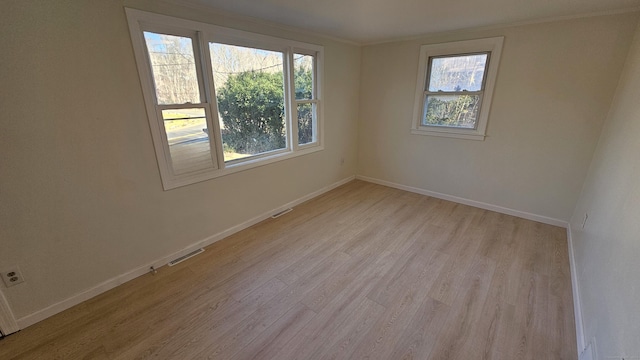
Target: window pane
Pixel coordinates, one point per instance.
(249, 86)
(306, 123)
(174, 68)
(457, 73)
(188, 139)
(303, 76)
(459, 111)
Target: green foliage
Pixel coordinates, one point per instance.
(304, 90)
(457, 111)
(252, 108)
(304, 83)
(305, 123)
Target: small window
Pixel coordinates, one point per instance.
(454, 89)
(221, 100)
(306, 99)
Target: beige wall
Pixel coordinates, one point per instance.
(607, 250)
(81, 197)
(554, 87)
(80, 194)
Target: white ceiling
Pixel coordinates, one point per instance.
(367, 21)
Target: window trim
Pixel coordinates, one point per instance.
(315, 96)
(203, 33)
(493, 46)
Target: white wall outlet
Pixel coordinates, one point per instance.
(12, 276)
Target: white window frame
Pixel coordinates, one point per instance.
(493, 46)
(202, 34)
(315, 95)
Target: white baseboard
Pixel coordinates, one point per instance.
(120, 279)
(8, 324)
(478, 204)
(577, 308)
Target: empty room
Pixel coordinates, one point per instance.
(358, 179)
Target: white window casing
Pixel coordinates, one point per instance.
(490, 46)
(202, 35)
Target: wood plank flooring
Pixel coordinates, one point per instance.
(361, 272)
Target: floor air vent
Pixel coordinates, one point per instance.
(185, 257)
(278, 214)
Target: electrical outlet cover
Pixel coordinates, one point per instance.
(12, 276)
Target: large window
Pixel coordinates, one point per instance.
(454, 89)
(221, 100)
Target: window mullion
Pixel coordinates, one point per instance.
(292, 119)
(314, 89)
(213, 121)
(453, 92)
(306, 102)
(182, 106)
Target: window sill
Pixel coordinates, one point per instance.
(467, 135)
(193, 178)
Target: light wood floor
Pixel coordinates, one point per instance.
(363, 271)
